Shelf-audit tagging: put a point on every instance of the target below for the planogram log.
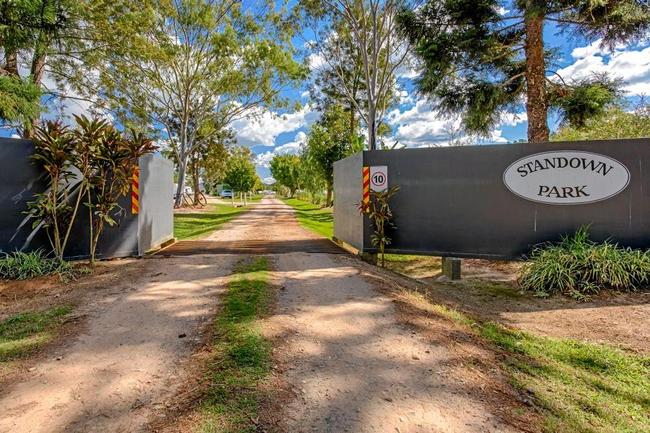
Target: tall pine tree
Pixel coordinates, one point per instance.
(479, 59)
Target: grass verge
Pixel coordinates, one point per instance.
(23, 333)
(241, 358)
(313, 217)
(579, 387)
(195, 225)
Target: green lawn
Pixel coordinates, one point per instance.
(580, 387)
(241, 355)
(23, 333)
(195, 225)
(313, 217)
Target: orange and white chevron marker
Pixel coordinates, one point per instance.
(366, 188)
(135, 191)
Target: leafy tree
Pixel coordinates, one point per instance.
(240, 172)
(614, 123)
(201, 59)
(479, 61)
(361, 34)
(329, 141)
(286, 170)
(65, 39)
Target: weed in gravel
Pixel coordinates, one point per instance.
(241, 357)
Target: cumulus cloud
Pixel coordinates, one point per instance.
(290, 148)
(630, 65)
(421, 125)
(263, 127)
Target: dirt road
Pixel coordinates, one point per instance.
(351, 365)
(120, 370)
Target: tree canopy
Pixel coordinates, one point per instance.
(478, 61)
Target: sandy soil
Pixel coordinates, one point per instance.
(350, 364)
(129, 358)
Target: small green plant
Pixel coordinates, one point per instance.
(381, 217)
(23, 333)
(24, 266)
(579, 267)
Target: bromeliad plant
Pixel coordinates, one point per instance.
(381, 217)
(92, 164)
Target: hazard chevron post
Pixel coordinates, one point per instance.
(135, 191)
(366, 188)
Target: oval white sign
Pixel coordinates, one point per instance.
(566, 177)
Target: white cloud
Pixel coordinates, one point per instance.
(630, 65)
(264, 159)
(513, 119)
(290, 148)
(263, 127)
(268, 180)
(421, 125)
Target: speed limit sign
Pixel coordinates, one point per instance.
(379, 178)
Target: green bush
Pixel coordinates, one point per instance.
(23, 266)
(579, 267)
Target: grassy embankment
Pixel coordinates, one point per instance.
(241, 355)
(24, 333)
(578, 386)
(196, 225)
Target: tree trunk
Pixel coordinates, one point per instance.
(180, 189)
(328, 199)
(11, 63)
(372, 127)
(536, 104)
(196, 181)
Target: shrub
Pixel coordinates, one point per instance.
(579, 267)
(23, 266)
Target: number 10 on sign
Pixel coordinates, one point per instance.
(379, 178)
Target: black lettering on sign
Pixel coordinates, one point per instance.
(378, 179)
(562, 191)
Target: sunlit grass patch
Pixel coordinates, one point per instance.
(195, 225)
(23, 333)
(313, 217)
(579, 386)
(241, 354)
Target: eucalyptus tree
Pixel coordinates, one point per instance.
(480, 59)
(361, 34)
(201, 59)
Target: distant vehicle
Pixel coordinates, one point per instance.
(226, 193)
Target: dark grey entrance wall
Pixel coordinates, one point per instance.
(453, 201)
(20, 180)
(348, 223)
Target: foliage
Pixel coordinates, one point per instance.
(362, 48)
(240, 353)
(196, 225)
(94, 161)
(579, 267)
(381, 216)
(25, 332)
(24, 266)
(19, 99)
(240, 172)
(330, 140)
(614, 123)
(286, 170)
(480, 62)
(54, 146)
(200, 65)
